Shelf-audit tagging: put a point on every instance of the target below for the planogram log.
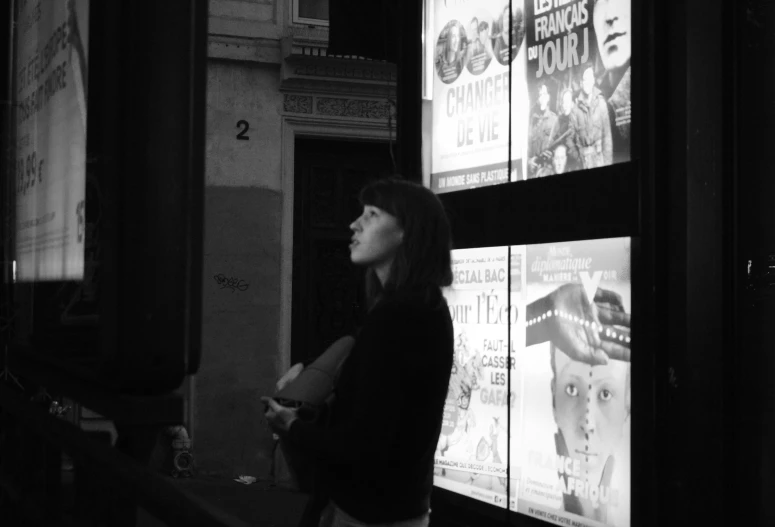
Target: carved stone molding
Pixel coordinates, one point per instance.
(308, 68)
(263, 50)
(297, 103)
(339, 107)
(353, 108)
(345, 71)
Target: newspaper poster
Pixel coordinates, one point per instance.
(573, 449)
(578, 77)
(479, 109)
(472, 450)
(50, 112)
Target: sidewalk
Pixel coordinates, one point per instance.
(260, 503)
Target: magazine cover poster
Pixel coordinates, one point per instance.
(578, 76)
(573, 451)
(477, 43)
(472, 450)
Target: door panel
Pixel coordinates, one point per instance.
(327, 288)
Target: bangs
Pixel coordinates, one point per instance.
(385, 195)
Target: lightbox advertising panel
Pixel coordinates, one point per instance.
(563, 421)
(530, 89)
(50, 110)
(472, 451)
(479, 64)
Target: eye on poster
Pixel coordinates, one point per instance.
(578, 77)
(50, 166)
(479, 93)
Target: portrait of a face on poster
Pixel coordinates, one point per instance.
(50, 139)
(479, 94)
(556, 402)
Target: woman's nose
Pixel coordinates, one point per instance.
(355, 225)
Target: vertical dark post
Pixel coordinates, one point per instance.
(649, 99)
(409, 89)
(753, 403)
(698, 329)
(670, 256)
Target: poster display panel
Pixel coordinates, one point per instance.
(479, 93)
(573, 448)
(578, 74)
(550, 95)
(50, 151)
(566, 380)
(472, 451)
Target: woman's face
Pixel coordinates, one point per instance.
(484, 36)
(590, 408)
(454, 38)
(505, 29)
(376, 238)
(473, 31)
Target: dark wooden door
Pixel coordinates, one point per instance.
(327, 287)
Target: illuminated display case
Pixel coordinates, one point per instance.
(519, 91)
(529, 126)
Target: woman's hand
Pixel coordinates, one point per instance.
(280, 418)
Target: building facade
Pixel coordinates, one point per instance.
(270, 84)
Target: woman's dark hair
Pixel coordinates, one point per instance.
(423, 259)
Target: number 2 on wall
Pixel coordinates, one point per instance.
(245, 127)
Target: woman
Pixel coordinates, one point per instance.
(378, 448)
(450, 63)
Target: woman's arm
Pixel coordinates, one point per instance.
(383, 373)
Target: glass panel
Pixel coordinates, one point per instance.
(50, 139)
(550, 94)
(469, 117)
(579, 85)
(558, 405)
(313, 9)
(471, 454)
(570, 449)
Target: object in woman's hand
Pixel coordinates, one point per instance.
(314, 385)
(289, 376)
(311, 392)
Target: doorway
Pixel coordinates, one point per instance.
(327, 289)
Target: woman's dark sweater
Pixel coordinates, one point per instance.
(378, 448)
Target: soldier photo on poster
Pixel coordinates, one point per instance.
(578, 75)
